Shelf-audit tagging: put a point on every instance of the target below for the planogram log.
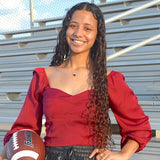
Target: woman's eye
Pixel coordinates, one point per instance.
(87, 29)
(72, 25)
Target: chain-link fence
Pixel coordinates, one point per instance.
(15, 14)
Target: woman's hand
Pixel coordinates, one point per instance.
(2, 159)
(3, 155)
(126, 152)
(105, 154)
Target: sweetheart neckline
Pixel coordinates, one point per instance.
(59, 90)
(88, 90)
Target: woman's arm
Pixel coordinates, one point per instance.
(133, 123)
(30, 116)
(130, 148)
(126, 152)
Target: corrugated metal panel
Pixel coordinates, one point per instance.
(140, 67)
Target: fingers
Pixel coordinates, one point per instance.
(102, 154)
(95, 151)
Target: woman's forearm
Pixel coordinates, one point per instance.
(125, 154)
(129, 148)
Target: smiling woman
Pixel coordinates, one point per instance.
(81, 32)
(76, 108)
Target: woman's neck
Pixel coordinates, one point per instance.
(77, 61)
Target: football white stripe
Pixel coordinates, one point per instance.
(25, 153)
(15, 144)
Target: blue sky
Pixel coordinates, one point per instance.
(14, 14)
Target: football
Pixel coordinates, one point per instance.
(27, 145)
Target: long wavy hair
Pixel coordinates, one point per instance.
(99, 115)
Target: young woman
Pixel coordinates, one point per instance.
(75, 93)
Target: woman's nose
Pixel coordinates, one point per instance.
(78, 32)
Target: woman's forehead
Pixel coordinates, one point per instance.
(84, 16)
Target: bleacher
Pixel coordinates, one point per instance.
(141, 67)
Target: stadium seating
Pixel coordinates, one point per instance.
(22, 51)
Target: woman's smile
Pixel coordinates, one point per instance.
(81, 32)
(77, 42)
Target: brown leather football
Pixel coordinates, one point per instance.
(27, 145)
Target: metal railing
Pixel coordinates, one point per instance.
(128, 49)
(129, 12)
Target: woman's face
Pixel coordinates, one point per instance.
(81, 32)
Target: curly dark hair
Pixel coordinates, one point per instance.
(97, 66)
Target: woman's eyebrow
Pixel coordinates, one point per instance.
(73, 21)
(84, 23)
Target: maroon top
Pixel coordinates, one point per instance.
(66, 124)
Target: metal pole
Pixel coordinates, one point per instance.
(147, 5)
(128, 49)
(31, 13)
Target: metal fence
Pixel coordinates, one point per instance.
(15, 14)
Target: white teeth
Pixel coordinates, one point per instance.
(79, 42)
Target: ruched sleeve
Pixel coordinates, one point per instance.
(30, 116)
(132, 121)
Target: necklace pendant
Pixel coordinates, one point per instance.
(74, 74)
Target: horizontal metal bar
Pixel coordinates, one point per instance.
(131, 11)
(128, 49)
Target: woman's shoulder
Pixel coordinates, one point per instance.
(114, 74)
(39, 78)
(38, 70)
(115, 78)
(50, 71)
(43, 70)
(41, 73)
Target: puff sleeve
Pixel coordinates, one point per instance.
(132, 121)
(30, 116)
